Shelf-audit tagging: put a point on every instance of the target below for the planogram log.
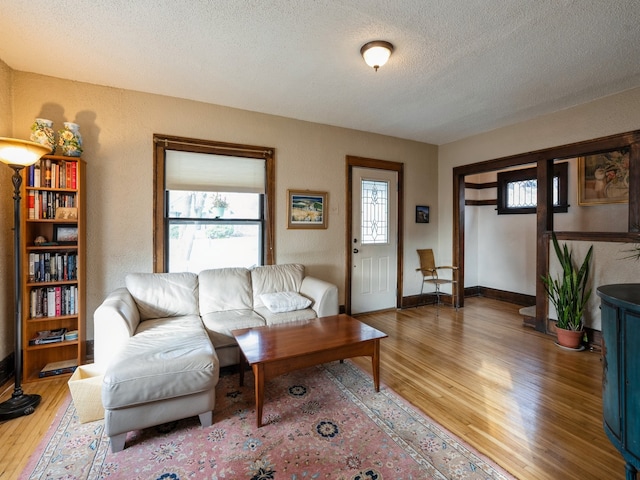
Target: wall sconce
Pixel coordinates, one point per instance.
(376, 53)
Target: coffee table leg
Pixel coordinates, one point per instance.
(258, 373)
(375, 364)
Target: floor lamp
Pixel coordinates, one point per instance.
(18, 154)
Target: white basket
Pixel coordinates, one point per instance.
(86, 389)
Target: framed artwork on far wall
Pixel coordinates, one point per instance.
(604, 178)
(307, 209)
(422, 214)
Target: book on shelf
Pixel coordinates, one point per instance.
(65, 301)
(36, 176)
(58, 368)
(47, 173)
(44, 337)
(52, 267)
(51, 302)
(53, 174)
(31, 204)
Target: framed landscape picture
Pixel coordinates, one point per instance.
(307, 209)
(603, 178)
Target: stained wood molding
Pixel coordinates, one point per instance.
(474, 203)
(480, 186)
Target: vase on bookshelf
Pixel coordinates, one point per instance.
(42, 133)
(70, 140)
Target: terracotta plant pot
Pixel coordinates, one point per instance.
(569, 338)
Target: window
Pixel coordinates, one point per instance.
(211, 208)
(518, 190)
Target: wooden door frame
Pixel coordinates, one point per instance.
(356, 162)
(544, 160)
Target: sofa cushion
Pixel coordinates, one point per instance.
(167, 358)
(278, 302)
(224, 289)
(223, 322)
(275, 278)
(160, 295)
(285, 317)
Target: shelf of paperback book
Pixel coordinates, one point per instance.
(49, 319)
(49, 284)
(64, 343)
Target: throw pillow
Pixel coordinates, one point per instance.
(279, 302)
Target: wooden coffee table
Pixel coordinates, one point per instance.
(278, 349)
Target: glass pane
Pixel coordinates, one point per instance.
(524, 193)
(195, 247)
(375, 212)
(183, 204)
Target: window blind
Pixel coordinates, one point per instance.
(205, 172)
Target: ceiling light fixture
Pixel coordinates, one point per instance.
(376, 53)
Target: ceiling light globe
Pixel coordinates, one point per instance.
(376, 53)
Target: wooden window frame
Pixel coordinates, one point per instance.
(170, 142)
(560, 170)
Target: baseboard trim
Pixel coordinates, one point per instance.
(7, 367)
(477, 291)
(594, 337)
(494, 293)
(425, 299)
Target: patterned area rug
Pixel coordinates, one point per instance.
(322, 422)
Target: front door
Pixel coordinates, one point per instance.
(374, 244)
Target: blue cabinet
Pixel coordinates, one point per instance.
(620, 310)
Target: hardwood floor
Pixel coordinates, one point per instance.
(21, 436)
(533, 408)
(503, 388)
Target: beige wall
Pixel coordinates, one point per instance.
(6, 222)
(117, 127)
(615, 114)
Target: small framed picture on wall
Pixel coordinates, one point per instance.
(422, 214)
(307, 209)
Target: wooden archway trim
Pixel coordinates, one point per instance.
(544, 160)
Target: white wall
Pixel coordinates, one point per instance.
(117, 127)
(502, 252)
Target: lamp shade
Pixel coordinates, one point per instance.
(376, 53)
(21, 152)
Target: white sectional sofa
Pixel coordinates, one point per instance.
(162, 339)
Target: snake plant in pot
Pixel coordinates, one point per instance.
(569, 294)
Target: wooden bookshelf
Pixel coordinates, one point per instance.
(53, 273)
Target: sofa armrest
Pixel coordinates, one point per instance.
(323, 294)
(114, 322)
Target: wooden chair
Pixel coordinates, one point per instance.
(429, 271)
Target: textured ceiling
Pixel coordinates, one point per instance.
(460, 67)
